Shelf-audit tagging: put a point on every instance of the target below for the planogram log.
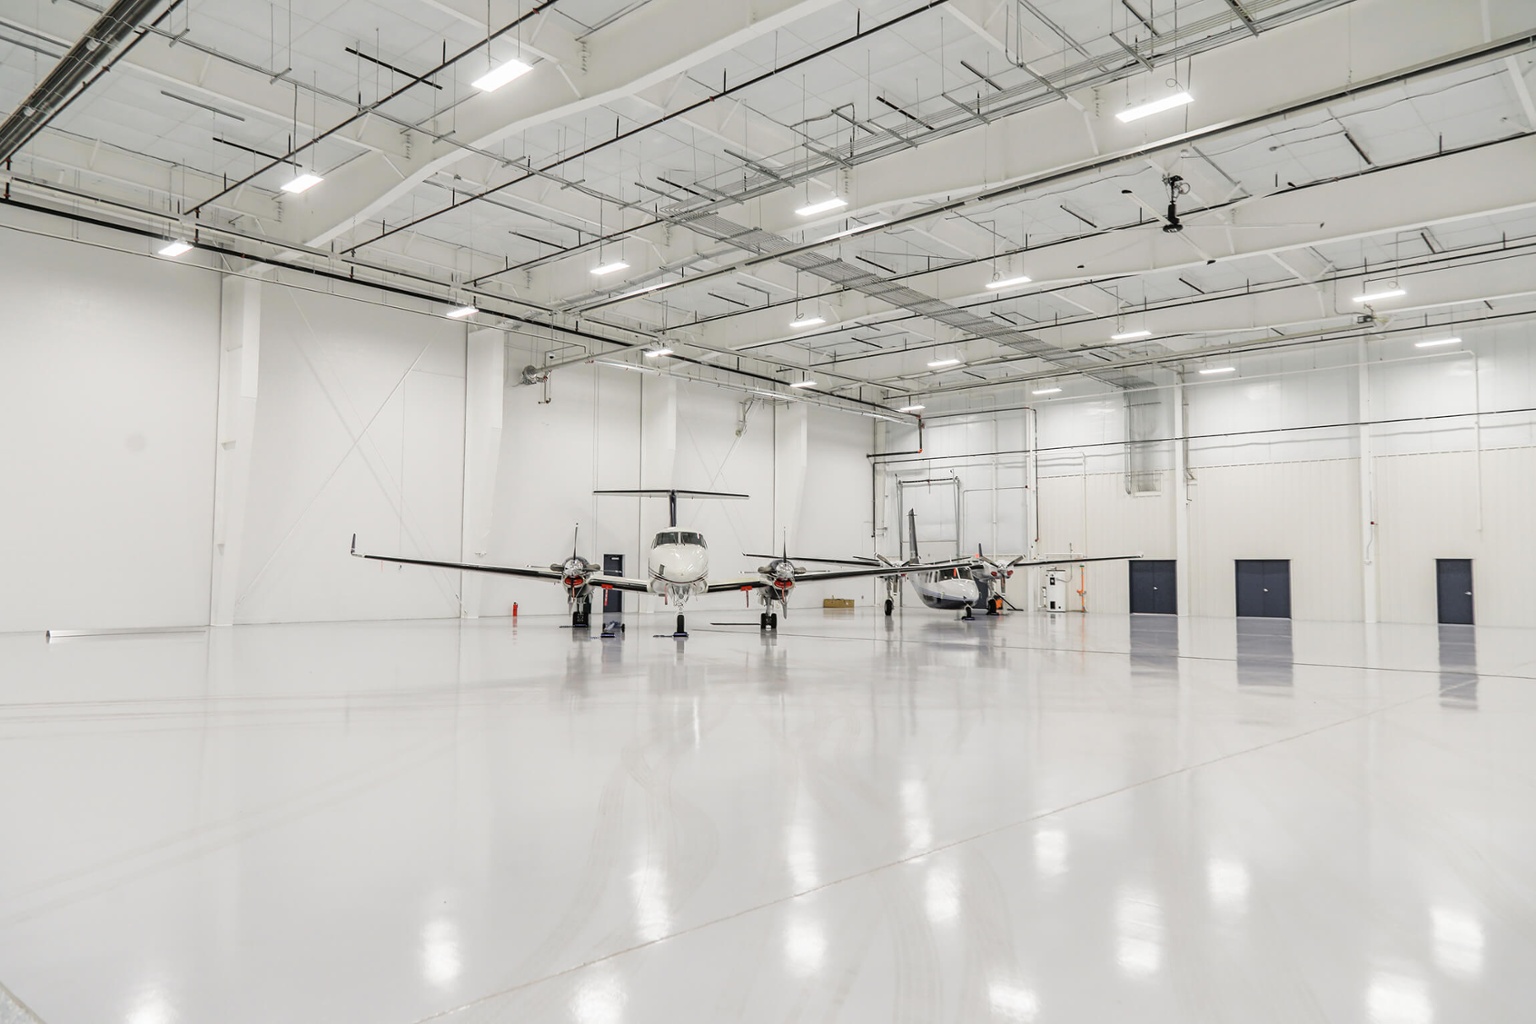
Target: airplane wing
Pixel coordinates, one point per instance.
(621, 583)
(1019, 563)
(817, 575)
(820, 575)
(528, 572)
(856, 560)
(742, 583)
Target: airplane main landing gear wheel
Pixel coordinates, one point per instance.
(889, 606)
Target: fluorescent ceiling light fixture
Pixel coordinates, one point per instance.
(856, 229)
(1437, 343)
(810, 321)
(656, 353)
(176, 248)
(647, 288)
(502, 74)
(1178, 99)
(1047, 391)
(1389, 293)
(1130, 335)
(303, 183)
(1219, 369)
(1008, 282)
(461, 312)
(912, 408)
(803, 384)
(825, 206)
(610, 268)
(940, 363)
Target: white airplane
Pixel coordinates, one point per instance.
(963, 585)
(678, 566)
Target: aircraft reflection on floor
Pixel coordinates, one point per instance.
(1265, 653)
(1155, 646)
(1458, 667)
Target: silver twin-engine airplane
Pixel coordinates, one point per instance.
(678, 566)
(961, 585)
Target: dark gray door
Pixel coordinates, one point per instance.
(1154, 587)
(613, 600)
(1264, 588)
(1277, 588)
(1453, 587)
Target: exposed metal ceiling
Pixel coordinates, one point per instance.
(973, 141)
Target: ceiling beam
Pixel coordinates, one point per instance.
(655, 43)
(1015, 155)
(1438, 191)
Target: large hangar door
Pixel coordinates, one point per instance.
(937, 504)
(1264, 588)
(1453, 590)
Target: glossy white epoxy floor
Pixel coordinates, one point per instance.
(1070, 818)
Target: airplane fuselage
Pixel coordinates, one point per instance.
(952, 593)
(678, 563)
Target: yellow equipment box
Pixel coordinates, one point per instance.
(837, 602)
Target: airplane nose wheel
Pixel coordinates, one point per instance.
(889, 606)
(967, 616)
(681, 632)
(773, 621)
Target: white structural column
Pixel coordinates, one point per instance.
(791, 442)
(1181, 546)
(1368, 578)
(658, 434)
(658, 464)
(239, 363)
(484, 386)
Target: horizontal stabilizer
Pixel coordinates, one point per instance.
(666, 492)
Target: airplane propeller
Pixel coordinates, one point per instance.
(1002, 572)
(576, 566)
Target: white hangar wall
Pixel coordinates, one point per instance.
(186, 447)
(1274, 458)
(108, 387)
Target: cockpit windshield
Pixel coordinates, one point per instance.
(679, 537)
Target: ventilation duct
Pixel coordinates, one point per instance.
(83, 60)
